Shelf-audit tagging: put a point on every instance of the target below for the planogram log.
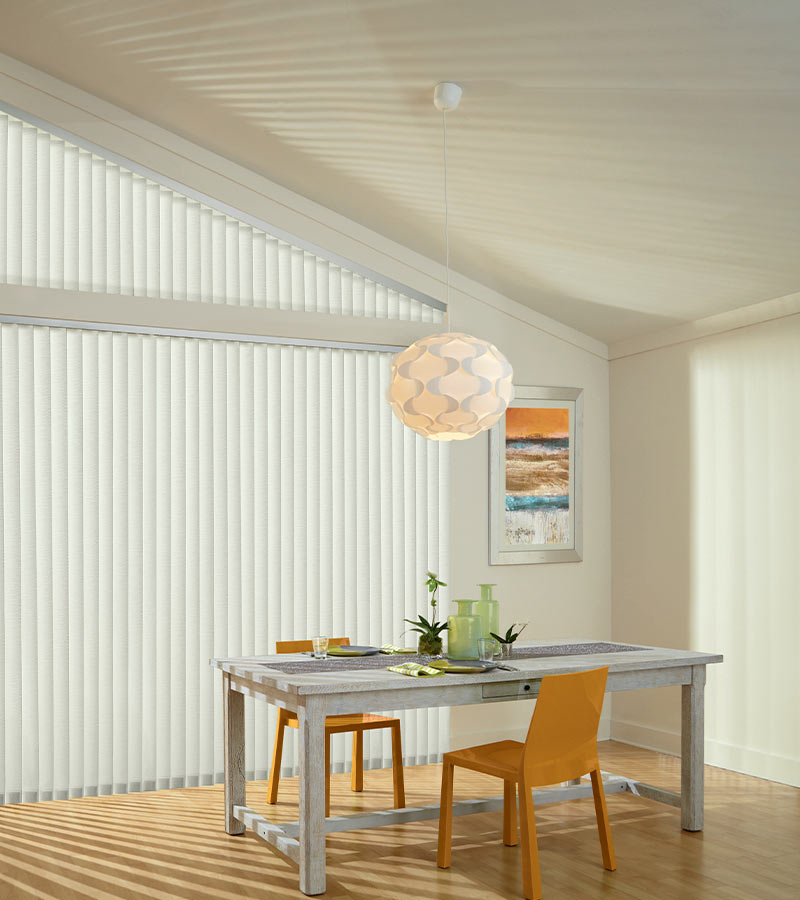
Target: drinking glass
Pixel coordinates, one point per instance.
(486, 649)
(320, 646)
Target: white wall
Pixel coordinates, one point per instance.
(562, 600)
(706, 520)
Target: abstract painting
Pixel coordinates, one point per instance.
(535, 483)
(537, 475)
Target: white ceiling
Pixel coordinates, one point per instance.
(620, 166)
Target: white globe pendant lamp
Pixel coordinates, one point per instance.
(449, 386)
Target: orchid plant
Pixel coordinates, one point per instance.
(430, 632)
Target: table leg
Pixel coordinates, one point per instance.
(311, 722)
(233, 740)
(692, 751)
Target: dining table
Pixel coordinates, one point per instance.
(314, 689)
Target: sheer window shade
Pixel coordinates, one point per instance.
(165, 500)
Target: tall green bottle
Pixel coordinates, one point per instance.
(489, 610)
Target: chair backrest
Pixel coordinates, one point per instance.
(562, 738)
(302, 646)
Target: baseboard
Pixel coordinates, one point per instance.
(748, 761)
(759, 763)
(662, 740)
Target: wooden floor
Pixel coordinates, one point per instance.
(171, 844)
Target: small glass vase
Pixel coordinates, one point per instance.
(429, 646)
(506, 651)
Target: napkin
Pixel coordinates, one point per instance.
(393, 648)
(415, 670)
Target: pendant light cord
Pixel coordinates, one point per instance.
(446, 225)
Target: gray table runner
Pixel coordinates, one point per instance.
(384, 660)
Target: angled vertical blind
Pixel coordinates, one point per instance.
(71, 219)
(164, 500)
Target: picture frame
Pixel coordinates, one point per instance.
(536, 478)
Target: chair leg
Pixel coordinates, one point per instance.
(277, 753)
(398, 781)
(327, 773)
(445, 817)
(603, 826)
(510, 814)
(357, 768)
(531, 876)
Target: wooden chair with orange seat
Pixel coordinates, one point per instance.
(358, 723)
(561, 745)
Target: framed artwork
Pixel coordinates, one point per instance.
(535, 478)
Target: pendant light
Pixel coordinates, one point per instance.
(449, 386)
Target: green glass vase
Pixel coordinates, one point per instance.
(463, 631)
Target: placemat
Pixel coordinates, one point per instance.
(383, 661)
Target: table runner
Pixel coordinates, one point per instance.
(383, 661)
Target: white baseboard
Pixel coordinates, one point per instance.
(746, 760)
(771, 766)
(637, 735)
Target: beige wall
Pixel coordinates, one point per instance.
(559, 600)
(705, 497)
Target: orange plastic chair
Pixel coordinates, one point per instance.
(358, 723)
(561, 745)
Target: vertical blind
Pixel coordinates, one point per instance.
(744, 526)
(71, 219)
(166, 500)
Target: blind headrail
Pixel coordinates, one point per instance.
(94, 311)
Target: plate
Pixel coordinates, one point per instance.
(463, 666)
(353, 650)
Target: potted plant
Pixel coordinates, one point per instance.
(430, 632)
(507, 642)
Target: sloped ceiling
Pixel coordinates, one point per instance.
(619, 166)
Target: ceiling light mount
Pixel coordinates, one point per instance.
(447, 96)
(449, 386)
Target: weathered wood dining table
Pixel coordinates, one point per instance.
(313, 695)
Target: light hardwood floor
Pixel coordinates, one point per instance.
(170, 845)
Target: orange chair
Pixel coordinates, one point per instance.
(358, 723)
(561, 745)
